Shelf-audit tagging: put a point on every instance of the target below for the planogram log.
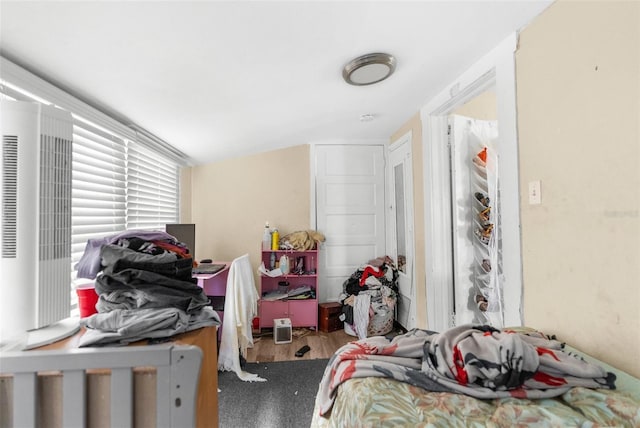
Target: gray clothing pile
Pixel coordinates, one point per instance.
(145, 296)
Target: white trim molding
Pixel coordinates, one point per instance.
(496, 69)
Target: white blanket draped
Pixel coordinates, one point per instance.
(240, 307)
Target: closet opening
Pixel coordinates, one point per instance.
(450, 259)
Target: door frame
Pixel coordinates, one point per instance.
(402, 143)
(496, 69)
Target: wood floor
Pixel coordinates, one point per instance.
(323, 345)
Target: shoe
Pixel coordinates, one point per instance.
(485, 214)
(484, 199)
(482, 303)
(484, 234)
(486, 230)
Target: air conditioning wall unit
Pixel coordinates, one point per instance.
(36, 217)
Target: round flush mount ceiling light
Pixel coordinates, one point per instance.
(368, 69)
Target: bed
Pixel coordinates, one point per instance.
(382, 397)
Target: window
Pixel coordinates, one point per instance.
(99, 183)
(152, 189)
(121, 178)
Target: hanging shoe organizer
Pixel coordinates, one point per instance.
(486, 237)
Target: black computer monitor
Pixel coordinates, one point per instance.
(185, 233)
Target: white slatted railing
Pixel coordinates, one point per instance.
(177, 378)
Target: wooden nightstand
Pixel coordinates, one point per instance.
(328, 314)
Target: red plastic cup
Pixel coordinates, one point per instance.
(87, 299)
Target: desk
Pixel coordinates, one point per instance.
(215, 287)
(207, 399)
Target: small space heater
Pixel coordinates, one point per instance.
(282, 330)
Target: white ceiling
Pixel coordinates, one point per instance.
(225, 79)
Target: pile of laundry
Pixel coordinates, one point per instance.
(145, 288)
(369, 298)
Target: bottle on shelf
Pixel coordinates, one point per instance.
(284, 264)
(312, 268)
(266, 237)
(275, 240)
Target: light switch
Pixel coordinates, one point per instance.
(535, 196)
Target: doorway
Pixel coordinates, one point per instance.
(494, 70)
(400, 227)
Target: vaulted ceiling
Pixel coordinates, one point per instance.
(225, 79)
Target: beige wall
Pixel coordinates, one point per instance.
(232, 199)
(578, 89)
(483, 107)
(415, 126)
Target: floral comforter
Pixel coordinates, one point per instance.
(383, 402)
(377, 382)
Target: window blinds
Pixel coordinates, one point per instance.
(152, 189)
(99, 186)
(122, 178)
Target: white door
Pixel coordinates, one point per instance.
(350, 201)
(400, 227)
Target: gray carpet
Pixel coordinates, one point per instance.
(285, 400)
